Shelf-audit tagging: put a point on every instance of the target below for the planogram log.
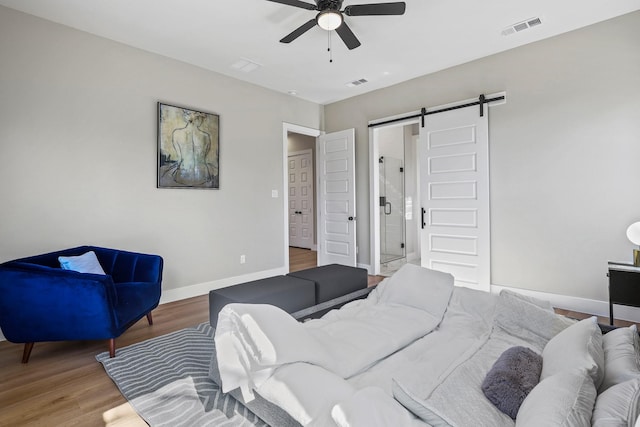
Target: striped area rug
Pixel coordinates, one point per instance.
(166, 381)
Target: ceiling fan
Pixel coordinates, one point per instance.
(330, 17)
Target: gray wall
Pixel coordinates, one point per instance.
(78, 153)
(564, 152)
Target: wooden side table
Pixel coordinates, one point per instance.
(624, 286)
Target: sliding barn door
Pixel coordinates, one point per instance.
(337, 198)
(454, 183)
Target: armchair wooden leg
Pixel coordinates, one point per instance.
(112, 347)
(28, 346)
(149, 318)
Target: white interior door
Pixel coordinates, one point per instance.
(454, 185)
(337, 198)
(301, 200)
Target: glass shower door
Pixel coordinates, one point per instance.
(392, 218)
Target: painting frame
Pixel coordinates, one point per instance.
(188, 148)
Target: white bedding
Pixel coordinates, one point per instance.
(465, 326)
(252, 340)
(415, 335)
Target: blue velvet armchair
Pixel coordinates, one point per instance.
(40, 301)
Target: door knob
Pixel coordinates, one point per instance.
(351, 218)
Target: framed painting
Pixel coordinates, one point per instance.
(188, 148)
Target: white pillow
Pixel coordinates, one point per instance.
(85, 263)
(618, 405)
(578, 346)
(419, 287)
(252, 340)
(564, 399)
(621, 356)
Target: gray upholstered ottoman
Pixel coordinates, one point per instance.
(289, 293)
(334, 280)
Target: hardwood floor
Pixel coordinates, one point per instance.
(64, 385)
(301, 259)
(601, 319)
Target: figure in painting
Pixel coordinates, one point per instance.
(192, 145)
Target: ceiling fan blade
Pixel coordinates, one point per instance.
(397, 8)
(299, 31)
(347, 36)
(297, 3)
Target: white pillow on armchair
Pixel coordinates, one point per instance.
(85, 263)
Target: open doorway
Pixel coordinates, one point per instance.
(395, 189)
(300, 195)
(301, 172)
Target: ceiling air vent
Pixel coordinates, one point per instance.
(357, 83)
(533, 22)
(521, 26)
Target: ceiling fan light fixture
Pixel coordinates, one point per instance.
(329, 19)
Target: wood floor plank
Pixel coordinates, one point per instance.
(301, 259)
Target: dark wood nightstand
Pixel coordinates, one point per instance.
(624, 286)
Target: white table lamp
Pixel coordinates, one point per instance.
(633, 234)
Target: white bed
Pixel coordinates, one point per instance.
(418, 351)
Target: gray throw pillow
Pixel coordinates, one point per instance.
(511, 378)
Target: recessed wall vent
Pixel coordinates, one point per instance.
(357, 83)
(521, 26)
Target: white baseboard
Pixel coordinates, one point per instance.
(583, 305)
(204, 288)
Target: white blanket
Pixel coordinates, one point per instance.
(372, 407)
(253, 340)
(465, 326)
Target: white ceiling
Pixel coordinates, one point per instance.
(215, 34)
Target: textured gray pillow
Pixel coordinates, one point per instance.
(512, 377)
(523, 319)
